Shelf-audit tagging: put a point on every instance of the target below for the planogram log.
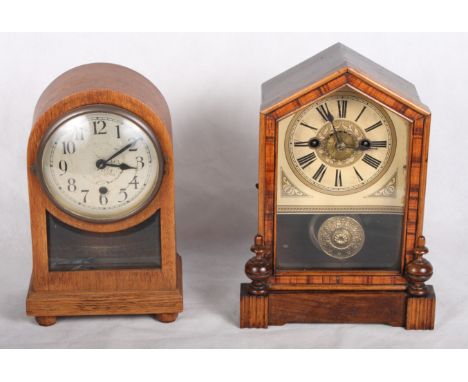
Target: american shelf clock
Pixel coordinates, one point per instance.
(101, 191)
(342, 175)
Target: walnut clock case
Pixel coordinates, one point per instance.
(101, 190)
(342, 176)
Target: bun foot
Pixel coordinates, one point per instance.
(46, 320)
(166, 317)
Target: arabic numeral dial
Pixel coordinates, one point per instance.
(101, 165)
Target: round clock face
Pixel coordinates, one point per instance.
(100, 163)
(340, 144)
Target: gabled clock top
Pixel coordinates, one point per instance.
(353, 224)
(336, 59)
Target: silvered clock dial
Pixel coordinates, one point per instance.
(100, 163)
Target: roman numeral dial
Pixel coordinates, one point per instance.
(306, 160)
(371, 161)
(342, 106)
(318, 176)
(382, 144)
(374, 126)
(338, 179)
(340, 144)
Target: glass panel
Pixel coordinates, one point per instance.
(302, 243)
(71, 249)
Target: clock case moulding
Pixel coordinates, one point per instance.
(155, 291)
(397, 298)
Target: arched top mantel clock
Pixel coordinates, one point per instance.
(101, 191)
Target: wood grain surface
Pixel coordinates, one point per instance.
(132, 291)
(284, 95)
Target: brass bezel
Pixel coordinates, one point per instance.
(102, 108)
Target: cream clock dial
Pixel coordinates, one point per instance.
(100, 164)
(341, 144)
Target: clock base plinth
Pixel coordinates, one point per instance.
(46, 306)
(420, 311)
(395, 308)
(253, 309)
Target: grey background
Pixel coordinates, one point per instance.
(212, 85)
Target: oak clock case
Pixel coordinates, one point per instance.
(342, 171)
(100, 174)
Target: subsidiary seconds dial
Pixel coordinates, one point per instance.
(100, 164)
(341, 144)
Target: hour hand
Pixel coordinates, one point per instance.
(122, 166)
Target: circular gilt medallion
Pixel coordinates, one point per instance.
(341, 237)
(350, 134)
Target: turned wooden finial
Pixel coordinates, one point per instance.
(418, 271)
(258, 247)
(421, 248)
(258, 268)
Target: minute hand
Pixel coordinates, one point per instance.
(126, 147)
(331, 119)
